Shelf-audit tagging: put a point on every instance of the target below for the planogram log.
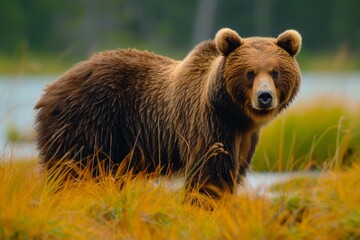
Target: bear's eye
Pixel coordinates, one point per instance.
(251, 74)
(274, 74)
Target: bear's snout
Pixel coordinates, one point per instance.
(265, 98)
(264, 93)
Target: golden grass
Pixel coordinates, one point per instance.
(32, 207)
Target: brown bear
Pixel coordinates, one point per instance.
(201, 115)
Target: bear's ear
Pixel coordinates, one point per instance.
(290, 41)
(227, 40)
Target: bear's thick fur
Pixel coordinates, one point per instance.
(201, 115)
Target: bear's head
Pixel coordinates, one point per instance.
(260, 75)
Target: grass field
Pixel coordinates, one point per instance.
(32, 207)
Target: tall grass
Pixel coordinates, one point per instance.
(32, 207)
(309, 138)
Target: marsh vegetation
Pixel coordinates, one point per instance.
(32, 207)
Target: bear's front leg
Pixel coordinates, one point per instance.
(214, 176)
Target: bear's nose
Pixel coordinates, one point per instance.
(265, 98)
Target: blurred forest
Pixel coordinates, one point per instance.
(77, 29)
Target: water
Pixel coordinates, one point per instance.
(256, 182)
(330, 87)
(18, 96)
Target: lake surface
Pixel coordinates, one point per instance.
(18, 95)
